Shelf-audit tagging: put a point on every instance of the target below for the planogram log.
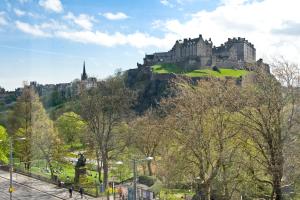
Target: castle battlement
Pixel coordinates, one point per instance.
(234, 53)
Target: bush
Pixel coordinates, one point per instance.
(215, 68)
(157, 187)
(147, 180)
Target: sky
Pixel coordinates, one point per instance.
(48, 40)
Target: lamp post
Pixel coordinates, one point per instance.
(119, 163)
(11, 164)
(113, 179)
(135, 161)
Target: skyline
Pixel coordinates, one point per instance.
(48, 40)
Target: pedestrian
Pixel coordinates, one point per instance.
(120, 192)
(81, 192)
(71, 191)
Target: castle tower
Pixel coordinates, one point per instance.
(84, 75)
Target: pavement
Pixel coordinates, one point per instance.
(27, 188)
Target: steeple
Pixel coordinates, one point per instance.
(84, 75)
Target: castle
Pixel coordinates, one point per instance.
(199, 53)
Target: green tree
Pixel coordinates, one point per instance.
(29, 119)
(45, 140)
(4, 147)
(71, 127)
(20, 124)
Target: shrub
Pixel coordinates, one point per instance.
(215, 68)
(147, 180)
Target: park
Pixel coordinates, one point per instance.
(150, 100)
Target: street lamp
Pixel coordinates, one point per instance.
(11, 163)
(119, 163)
(113, 179)
(135, 173)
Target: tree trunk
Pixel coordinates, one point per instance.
(99, 167)
(226, 191)
(51, 171)
(149, 168)
(203, 192)
(277, 170)
(105, 174)
(207, 192)
(277, 187)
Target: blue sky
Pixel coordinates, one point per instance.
(48, 40)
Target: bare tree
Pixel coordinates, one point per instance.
(105, 108)
(199, 120)
(268, 108)
(147, 135)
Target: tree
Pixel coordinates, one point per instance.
(30, 120)
(200, 119)
(70, 127)
(44, 139)
(20, 124)
(105, 108)
(4, 148)
(147, 135)
(268, 110)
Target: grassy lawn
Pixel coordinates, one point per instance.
(167, 68)
(174, 194)
(171, 68)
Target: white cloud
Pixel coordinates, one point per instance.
(157, 24)
(31, 29)
(52, 25)
(115, 16)
(137, 39)
(19, 12)
(266, 24)
(3, 20)
(167, 3)
(58, 30)
(83, 20)
(52, 5)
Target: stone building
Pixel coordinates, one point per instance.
(200, 53)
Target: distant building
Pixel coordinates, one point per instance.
(84, 76)
(87, 82)
(197, 52)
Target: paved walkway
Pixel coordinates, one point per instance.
(27, 188)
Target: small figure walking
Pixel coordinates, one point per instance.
(71, 191)
(81, 192)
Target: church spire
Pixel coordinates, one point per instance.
(84, 75)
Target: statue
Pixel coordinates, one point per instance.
(81, 161)
(80, 169)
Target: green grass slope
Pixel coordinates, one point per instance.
(172, 68)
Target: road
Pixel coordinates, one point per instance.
(27, 188)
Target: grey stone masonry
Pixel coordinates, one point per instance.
(197, 52)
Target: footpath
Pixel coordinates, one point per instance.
(38, 186)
